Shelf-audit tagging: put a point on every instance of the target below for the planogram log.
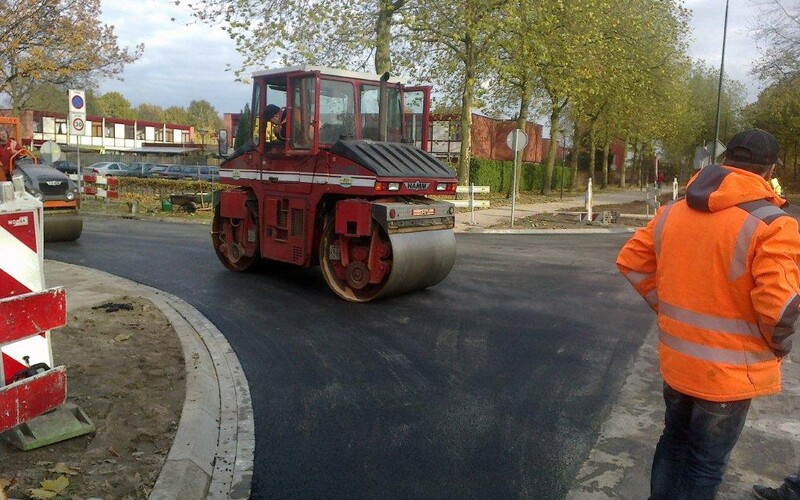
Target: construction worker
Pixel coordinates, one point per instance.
(776, 186)
(276, 123)
(8, 147)
(719, 267)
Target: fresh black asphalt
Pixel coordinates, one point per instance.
(492, 384)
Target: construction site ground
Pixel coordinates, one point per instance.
(125, 369)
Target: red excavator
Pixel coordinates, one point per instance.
(335, 173)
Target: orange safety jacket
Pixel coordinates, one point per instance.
(720, 267)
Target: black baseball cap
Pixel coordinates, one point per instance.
(753, 146)
(270, 111)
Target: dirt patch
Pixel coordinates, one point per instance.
(620, 217)
(125, 369)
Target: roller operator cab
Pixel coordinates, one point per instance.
(336, 175)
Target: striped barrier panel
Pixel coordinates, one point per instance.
(100, 186)
(28, 385)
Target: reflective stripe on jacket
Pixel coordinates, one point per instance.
(720, 269)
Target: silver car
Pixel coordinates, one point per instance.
(112, 168)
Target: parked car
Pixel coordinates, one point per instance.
(171, 172)
(140, 169)
(156, 170)
(112, 168)
(66, 166)
(209, 173)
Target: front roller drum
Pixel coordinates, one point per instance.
(62, 227)
(405, 262)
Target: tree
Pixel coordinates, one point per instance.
(243, 128)
(52, 41)
(455, 40)
(114, 104)
(203, 117)
(341, 33)
(778, 27)
(149, 112)
(176, 114)
(777, 111)
(48, 97)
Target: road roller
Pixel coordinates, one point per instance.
(334, 171)
(57, 192)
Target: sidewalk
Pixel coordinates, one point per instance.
(488, 217)
(619, 465)
(212, 454)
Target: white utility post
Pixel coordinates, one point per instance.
(589, 201)
(516, 140)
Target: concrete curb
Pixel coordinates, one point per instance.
(212, 454)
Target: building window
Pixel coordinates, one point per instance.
(97, 129)
(61, 126)
(38, 126)
(184, 136)
(170, 136)
(129, 131)
(140, 134)
(109, 130)
(159, 135)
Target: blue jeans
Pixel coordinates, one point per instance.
(693, 450)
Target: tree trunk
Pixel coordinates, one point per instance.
(624, 171)
(383, 39)
(573, 162)
(466, 115)
(592, 151)
(555, 111)
(522, 120)
(606, 148)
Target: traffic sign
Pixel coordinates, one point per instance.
(517, 140)
(77, 123)
(50, 151)
(77, 102)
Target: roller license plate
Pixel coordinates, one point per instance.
(423, 211)
(334, 253)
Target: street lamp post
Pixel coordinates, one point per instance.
(563, 161)
(202, 142)
(719, 90)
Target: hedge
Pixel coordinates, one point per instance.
(497, 175)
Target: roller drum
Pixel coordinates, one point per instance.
(419, 260)
(62, 227)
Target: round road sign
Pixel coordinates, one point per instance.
(77, 102)
(78, 124)
(517, 140)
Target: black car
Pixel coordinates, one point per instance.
(66, 166)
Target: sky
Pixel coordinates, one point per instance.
(184, 61)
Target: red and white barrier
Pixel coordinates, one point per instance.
(27, 312)
(101, 186)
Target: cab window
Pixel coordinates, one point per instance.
(370, 116)
(302, 112)
(336, 111)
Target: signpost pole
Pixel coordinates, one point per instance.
(514, 178)
(516, 140)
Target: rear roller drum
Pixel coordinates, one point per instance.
(226, 236)
(360, 269)
(62, 227)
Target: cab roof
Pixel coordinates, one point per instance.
(342, 73)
